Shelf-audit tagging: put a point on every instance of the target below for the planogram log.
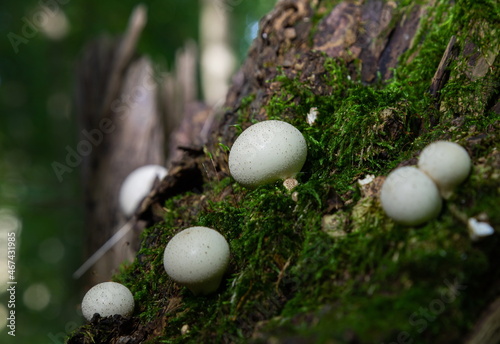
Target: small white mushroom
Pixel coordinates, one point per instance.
(138, 185)
(106, 299)
(312, 115)
(197, 258)
(367, 180)
(290, 183)
(447, 163)
(266, 152)
(410, 197)
(478, 229)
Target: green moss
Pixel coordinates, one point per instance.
(368, 127)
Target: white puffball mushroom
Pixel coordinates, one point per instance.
(197, 258)
(138, 185)
(410, 197)
(447, 163)
(106, 299)
(266, 152)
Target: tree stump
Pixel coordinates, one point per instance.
(379, 80)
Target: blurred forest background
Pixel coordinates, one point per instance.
(37, 123)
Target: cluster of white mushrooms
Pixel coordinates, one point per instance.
(413, 195)
(197, 257)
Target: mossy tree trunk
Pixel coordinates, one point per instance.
(324, 264)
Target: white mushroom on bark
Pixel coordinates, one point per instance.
(267, 152)
(197, 258)
(138, 185)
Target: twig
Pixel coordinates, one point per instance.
(104, 248)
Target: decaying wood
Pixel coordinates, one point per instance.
(117, 91)
(442, 73)
(185, 116)
(365, 30)
(120, 89)
(487, 329)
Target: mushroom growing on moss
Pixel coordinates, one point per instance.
(410, 197)
(266, 152)
(197, 258)
(447, 163)
(137, 185)
(106, 299)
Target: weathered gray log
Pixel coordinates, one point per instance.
(117, 104)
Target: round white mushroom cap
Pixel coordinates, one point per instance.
(447, 163)
(138, 185)
(410, 197)
(107, 298)
(197, 258)
(266, 152)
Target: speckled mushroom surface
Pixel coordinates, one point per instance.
(197, 258)
(107, 298)
(266, 152)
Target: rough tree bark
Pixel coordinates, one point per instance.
(296, 41)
